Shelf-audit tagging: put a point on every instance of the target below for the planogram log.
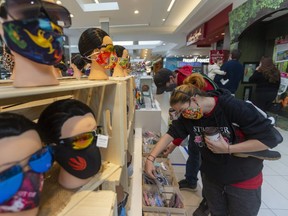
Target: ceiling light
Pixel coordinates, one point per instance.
(96, 1)
(163, 20)
(163, 44)
(171, 5)
(58, 2)
(136, 12)
(71, 15)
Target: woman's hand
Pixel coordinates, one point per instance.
(218, 147)
(150, 168)
(170, 148)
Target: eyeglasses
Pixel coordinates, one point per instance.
(28, 9)
(80, 141)
(11, 179)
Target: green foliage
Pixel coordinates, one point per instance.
(246, 14)
(273, 4)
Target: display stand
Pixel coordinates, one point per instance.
(149, 118)
(113, 104)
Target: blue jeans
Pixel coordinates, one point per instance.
(192, 163)
(224, 200)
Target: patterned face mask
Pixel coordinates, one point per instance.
(107, 57)
(123, 62)
(7, 60)
(39, 40)
(193, 113)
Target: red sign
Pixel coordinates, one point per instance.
(196, 35)
(214, 54)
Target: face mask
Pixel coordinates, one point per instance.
(123, 62)
(12, 178)
(27, 197)
(106, 59)
(39, 40)
(79, 155)
(193, 113)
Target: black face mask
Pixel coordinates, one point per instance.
(83, 163)
(171, 87)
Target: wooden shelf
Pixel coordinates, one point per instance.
(106, 204)
(136, 179)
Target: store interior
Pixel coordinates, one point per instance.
(118, 97)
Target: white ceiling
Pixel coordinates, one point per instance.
(124, 25)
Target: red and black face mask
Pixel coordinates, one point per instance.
(80, 162)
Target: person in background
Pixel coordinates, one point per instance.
(166, 80)
(231, 185)
(267, 80)
(234, 73)
(214, 69)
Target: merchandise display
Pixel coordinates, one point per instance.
(57, 200)
(122, 62)
(21, 188)
(73, 137)
(96, 46)
(35, 41)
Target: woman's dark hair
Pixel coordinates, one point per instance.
(12, 124)
(56, 114)
(78, 61)
(119, 50)
(269, 70)
(90, 39)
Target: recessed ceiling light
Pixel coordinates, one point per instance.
(58, 2)
(136, 12)
(171, 5)
(163, 44)
(71, 15)
(163, 20)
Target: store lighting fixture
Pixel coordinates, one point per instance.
(163, 20)
(71, 15)
(170, 5)
(59, 2)
(136, 12)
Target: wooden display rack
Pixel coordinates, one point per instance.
(109, 101)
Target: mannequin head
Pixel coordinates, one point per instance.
(97, 47)
(77, 64)
(22, 163)
(122, 62)
(69, 121)
(35, 38)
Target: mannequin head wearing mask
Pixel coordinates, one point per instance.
(34, 34)
(96, 46)
(72, 135)
(122, 62)
(23, 161)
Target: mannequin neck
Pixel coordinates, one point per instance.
(69, 181)
(76, 72)
(118, 71)
(30, 74)
(97, 72)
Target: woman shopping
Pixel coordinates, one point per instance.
(231, 185)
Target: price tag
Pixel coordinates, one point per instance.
(102, 141)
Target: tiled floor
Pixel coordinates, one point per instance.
(275, 186)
